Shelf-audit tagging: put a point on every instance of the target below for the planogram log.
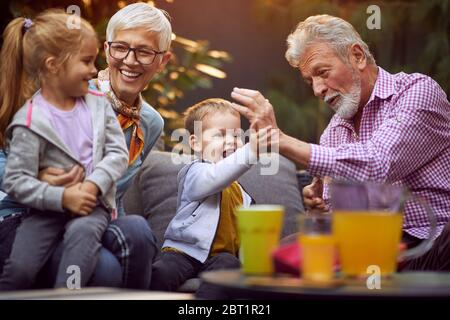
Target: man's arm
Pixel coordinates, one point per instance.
(418, 132)
(295, 150)
(402, 144)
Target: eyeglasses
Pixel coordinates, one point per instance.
(120, 51)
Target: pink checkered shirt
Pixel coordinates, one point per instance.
(404, 138)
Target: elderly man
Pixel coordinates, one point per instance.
(392, 128)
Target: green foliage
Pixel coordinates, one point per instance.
(184, 72)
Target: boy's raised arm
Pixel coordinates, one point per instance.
(204, 178)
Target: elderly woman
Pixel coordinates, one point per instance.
(138, 40)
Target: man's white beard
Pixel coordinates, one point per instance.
(347, 105)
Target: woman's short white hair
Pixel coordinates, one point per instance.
(142, 15)
(336, 32)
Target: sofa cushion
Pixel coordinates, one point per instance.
(153, 192)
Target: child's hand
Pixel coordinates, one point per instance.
(90, 187)
(263, 139)
(78, 201)
(254, 139)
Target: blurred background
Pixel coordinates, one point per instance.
(220, 44)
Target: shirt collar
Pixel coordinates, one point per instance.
(384, 86)
(338, 121)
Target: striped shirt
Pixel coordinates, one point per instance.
(404, 138)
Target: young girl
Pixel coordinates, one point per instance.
(63, 124)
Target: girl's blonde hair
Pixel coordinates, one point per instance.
(25, 50)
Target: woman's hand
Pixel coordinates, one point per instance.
(61, 178)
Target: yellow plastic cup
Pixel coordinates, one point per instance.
(259, 229)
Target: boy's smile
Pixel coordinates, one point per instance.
(221, 136)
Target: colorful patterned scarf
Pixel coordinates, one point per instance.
(127, 115)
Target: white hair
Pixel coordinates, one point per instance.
(142, 15)
(336, 32)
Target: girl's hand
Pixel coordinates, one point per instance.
(61, 178)
(90, 187)
(78, 201)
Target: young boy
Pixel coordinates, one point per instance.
(203, 234)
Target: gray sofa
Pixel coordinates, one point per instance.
(153, 192)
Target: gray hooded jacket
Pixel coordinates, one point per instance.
(200, 185)
(34, 145)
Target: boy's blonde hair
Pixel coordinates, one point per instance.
(25, 49)
(204, 108)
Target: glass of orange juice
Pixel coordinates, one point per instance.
(318, 247)
(367, 225)
(367, 238)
